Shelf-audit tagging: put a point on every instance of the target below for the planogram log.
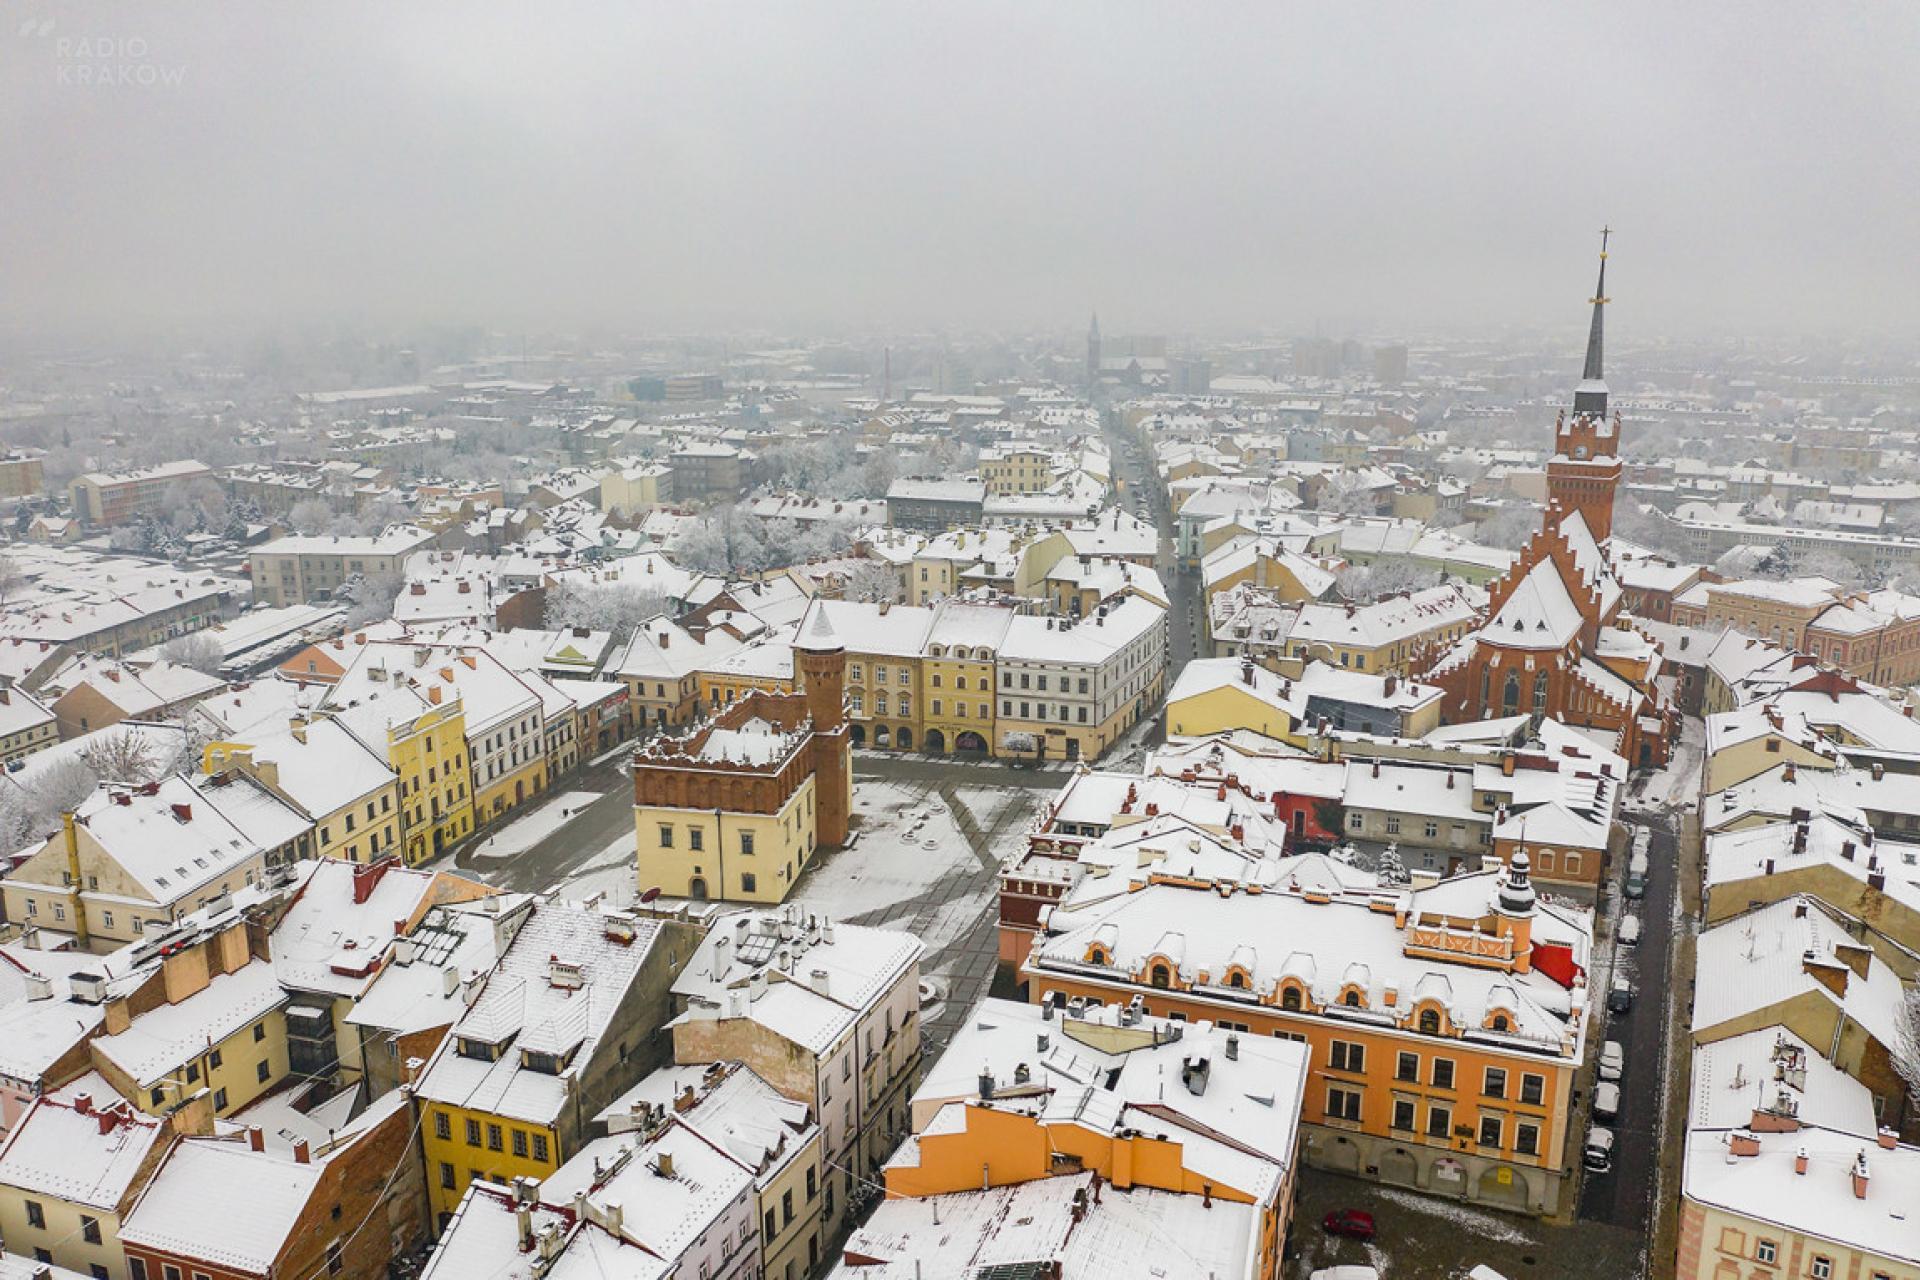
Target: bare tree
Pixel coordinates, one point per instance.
(12, 580)
(1906, 1050)
(122, 756)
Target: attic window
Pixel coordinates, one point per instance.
(1500, 1022)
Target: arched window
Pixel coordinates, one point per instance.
(1161, 976)
(1097, 955)
(1351, 999)
(1540, 693)
(1510, 696)
(1290, 998)
(1237, 980)
(1500, 1022)
(1430, 1021)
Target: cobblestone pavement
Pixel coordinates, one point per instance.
(1424, 1238)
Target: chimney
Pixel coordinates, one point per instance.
(1888, 1139)
(183, 813)
(1860, 1176)
(256, 1138)
(1800, 1161)
(300, 1153)
(663, 1164)
(1233, 1046)
(986, 1084)
(1742, 1143)
(1879, 771)
(83, 1103)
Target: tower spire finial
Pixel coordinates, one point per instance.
(1591, 395)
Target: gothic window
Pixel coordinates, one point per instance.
(1540, 693)
(1510, 698)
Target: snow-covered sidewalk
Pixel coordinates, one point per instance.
(523, 833)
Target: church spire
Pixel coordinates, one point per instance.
(1591, 395)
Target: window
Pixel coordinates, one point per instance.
(772, 1225)
(493, 1138)
(666, 836)
(1533, 1089)
(1161, 977)
(158, 1096)
(520, 1143)
(1439, 1122)
(259, 1032)
(36, 1216)
(473, 1132)
(540, 1147)
(813, 1183)
(1290, 999)
(170, 1271)
(1495, 1083)
(136, 1269)
(1822, 1267)
(746, 842)
(1490, 1131)
(447, 1177)
(1393, 824)
(1346, 1056)
(1443, 1073)
(335, 1260)
(1526, 1138)
(1407, 1067)
(1430, 1021)
(442, 1126)
(1766, 1251)
(1343, 1104)
(786, 1205)
(1356, 821)
(1403, 1114)
(748, 882)
(696, 838)
(262, 1072)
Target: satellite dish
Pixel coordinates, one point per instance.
(650, 894)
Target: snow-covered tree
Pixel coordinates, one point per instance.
(1508, 529)
(371, 598)
(615, 607)
(309, 515)
(1831, 565)
(874, 582)
(1906, 1048)
(196, 649)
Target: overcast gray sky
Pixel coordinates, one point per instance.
(1180, 166)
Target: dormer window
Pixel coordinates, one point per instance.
(1160, 976)
(1430, 1022)
(1500, 1022)
(1237, 980)
(1351, 999)
(1290, 999)
(1097, 955)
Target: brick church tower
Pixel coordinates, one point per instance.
(1584, 473)
(821, 662)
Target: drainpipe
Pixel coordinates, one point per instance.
(72, 834)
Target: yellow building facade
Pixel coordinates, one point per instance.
(714, 853)
(463, 1144)
(429, 752)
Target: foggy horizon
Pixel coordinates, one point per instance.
(855, 168)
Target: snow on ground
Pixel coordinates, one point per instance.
(908, 842)
(609, 875)
(1678, 783)
(523, 833)
(1477, 1223)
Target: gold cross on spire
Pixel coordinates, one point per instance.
(1600, 296)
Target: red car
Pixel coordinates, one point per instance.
(1355, 1224)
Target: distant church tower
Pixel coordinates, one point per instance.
(1093, 352)
(1585, 470)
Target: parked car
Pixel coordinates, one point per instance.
(1598, 1155)
(1636, 885)
(1613, 1060)
(1620, 996)
(1355, 1224)
(1629, 931)
(1637, 864)
(1606, 1102)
